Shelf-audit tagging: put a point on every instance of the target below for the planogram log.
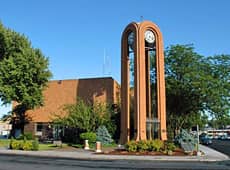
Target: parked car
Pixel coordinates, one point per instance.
(3, 136)
(225, 137)
(205, 140)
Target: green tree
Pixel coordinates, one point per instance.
(195, 85)
(103, 135)
(24, 74)
(217, 90)
(107, 116)
(219, 122)
(78, 115)
(183, 84)
(86, 117)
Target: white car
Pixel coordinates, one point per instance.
(225, 137)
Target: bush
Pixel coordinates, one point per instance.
(143, 145)
(156, 145)
(24, 145)
(103, 135)
(131, 146)
(35, 144)
(170, 146)
(16, 144)
(29, 136)
(21, 137)
(26, 136)
(90, 136)
(146, 145)
(27, 145)
(71, 135)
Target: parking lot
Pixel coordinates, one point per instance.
(221, 145)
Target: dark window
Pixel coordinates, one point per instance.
(39, 127)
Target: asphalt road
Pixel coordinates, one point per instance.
(221, 146)
(32, 163)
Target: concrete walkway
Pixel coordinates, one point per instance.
(210, 155)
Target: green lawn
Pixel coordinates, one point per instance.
(4, 142)
(44, 147)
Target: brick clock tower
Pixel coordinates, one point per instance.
(143, 108)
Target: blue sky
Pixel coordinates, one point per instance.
(75, 33)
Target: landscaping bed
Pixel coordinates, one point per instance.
(176, 152)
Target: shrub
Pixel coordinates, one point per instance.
(35, 144)
(147, 145)
(16, 144)
(71, 135)
(103, 135)
(169, 146)
(142, 145)
(24, 144)
(26, 136)
(156, 145)
(29, 136)
(90, 136)
(27, 145)
(21, 137)
(131, 146)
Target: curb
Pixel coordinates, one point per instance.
(93, 156)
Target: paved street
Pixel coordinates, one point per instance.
(81, 159)
(221, 146)
(27, 163)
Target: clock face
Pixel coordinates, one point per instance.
(131, 39)
(149, 36)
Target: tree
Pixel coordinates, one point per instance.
(219, 123)
(24, 74)
(195, 85)
(103, 135)
(183, 84)
(218, 87)
(86, 117)
(78, 115)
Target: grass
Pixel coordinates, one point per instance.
(110, 145)
(4, 142)
(45, 147)
(93, 145)
(77, 145)
(42, 147)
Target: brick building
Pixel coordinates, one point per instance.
(61, 92)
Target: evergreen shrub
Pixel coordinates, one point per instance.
(103, 135)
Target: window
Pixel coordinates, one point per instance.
(39, 127)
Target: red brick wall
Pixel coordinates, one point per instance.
(30, 127)
(59, 93)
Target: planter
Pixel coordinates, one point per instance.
(170, 153)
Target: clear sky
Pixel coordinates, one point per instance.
(75, 33)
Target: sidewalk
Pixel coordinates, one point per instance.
(210, 155)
